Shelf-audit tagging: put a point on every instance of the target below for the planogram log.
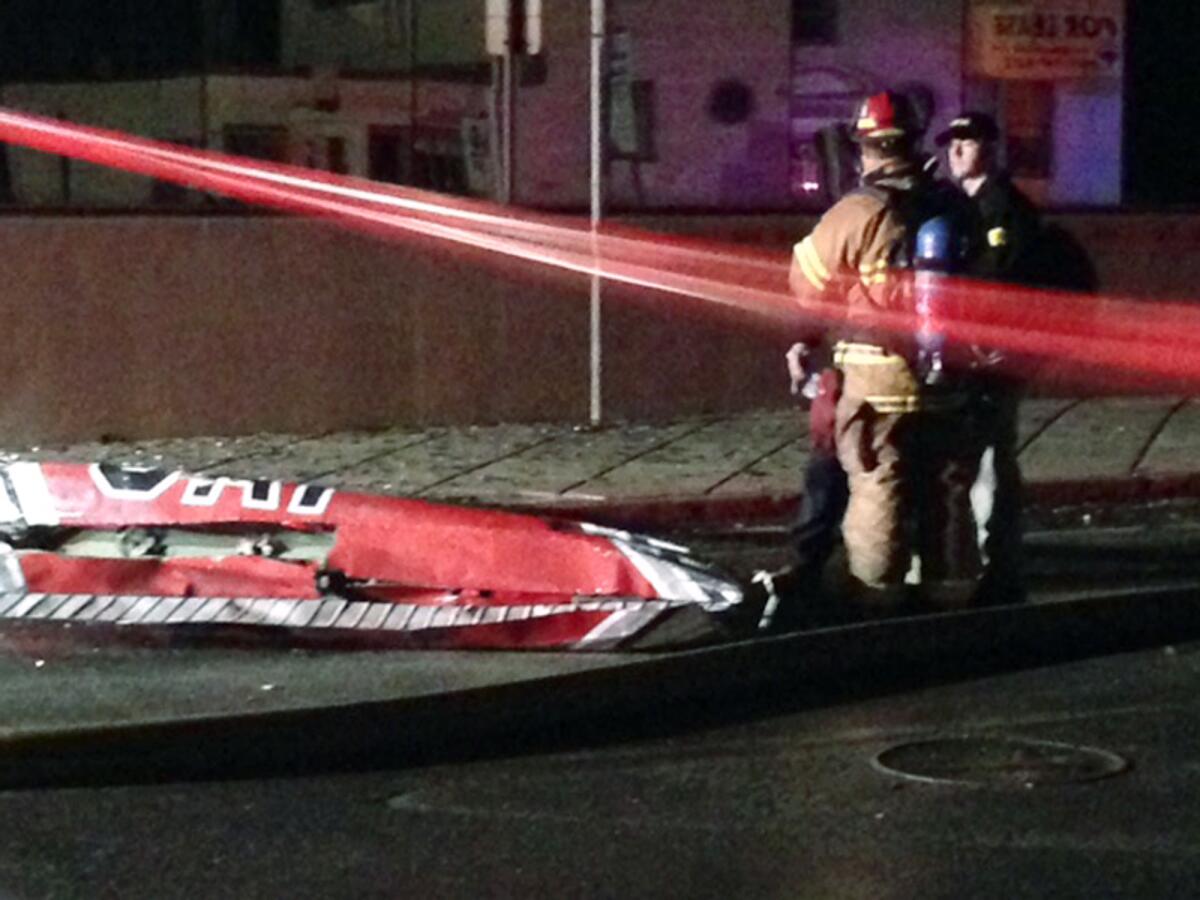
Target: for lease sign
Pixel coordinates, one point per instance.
(1046, 40)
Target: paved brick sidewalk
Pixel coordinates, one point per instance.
(751, 455)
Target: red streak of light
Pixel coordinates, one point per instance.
(1119, 335)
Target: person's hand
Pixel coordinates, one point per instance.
(798, 365)
(986, 359)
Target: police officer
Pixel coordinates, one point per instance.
(1010, 223)
(902, 443)
(1011, 250)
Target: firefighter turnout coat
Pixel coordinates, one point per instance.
(891, 449)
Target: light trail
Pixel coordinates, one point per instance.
(630, 261)
(109, 148)
(1114, 335)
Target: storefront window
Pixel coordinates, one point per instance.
(1029, 127)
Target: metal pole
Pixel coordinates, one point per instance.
(507, 69)
(410, 26)
(597, 156)
(206, 26)
(496, 130)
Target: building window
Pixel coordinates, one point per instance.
(1029, 128)
(433, 159)
(814, 21)
(335, 155)
(389, 154)
(438, 170)
(266, 142)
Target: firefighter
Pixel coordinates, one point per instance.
(901, 433)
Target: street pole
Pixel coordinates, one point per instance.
(597, 158)
(507, 94)
(206, 26)
(410, 27)
(505, 22)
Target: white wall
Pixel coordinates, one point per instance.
(896, 43)
(699, 162)
(685, 47)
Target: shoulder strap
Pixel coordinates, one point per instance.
(883, 195)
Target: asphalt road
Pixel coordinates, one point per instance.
(782, 803)
(758, 793)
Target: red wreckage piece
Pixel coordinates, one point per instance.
(132, 546)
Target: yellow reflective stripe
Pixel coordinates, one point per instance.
(811, 249)
(861, 347)
(906, 403)
(870, 273)
(850, 357)
(865, 355)
(806, 270)
(892, 404)
(810, 259)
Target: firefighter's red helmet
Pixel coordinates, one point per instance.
(884, 115)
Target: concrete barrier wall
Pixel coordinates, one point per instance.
(138, 326)
(1137, 255)
(162, 326)
(1142, 255)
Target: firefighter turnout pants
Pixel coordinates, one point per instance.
(910, 473)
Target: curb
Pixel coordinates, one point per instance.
(647, 693)
(666, 512)
(1128, 489)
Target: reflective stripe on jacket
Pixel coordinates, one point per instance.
(848, 254)
(885, 380)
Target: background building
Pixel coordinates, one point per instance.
(143, 325)
(710, 105)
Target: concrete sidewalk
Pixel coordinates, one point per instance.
(67, 691)
(746, 465)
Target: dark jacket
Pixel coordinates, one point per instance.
(1010, 232)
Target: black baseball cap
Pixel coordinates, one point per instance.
(967, 126)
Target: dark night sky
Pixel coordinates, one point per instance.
(91, 38)
(47, 39)
(1162, 121)
(65, 38)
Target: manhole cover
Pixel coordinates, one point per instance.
(1005, 761)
